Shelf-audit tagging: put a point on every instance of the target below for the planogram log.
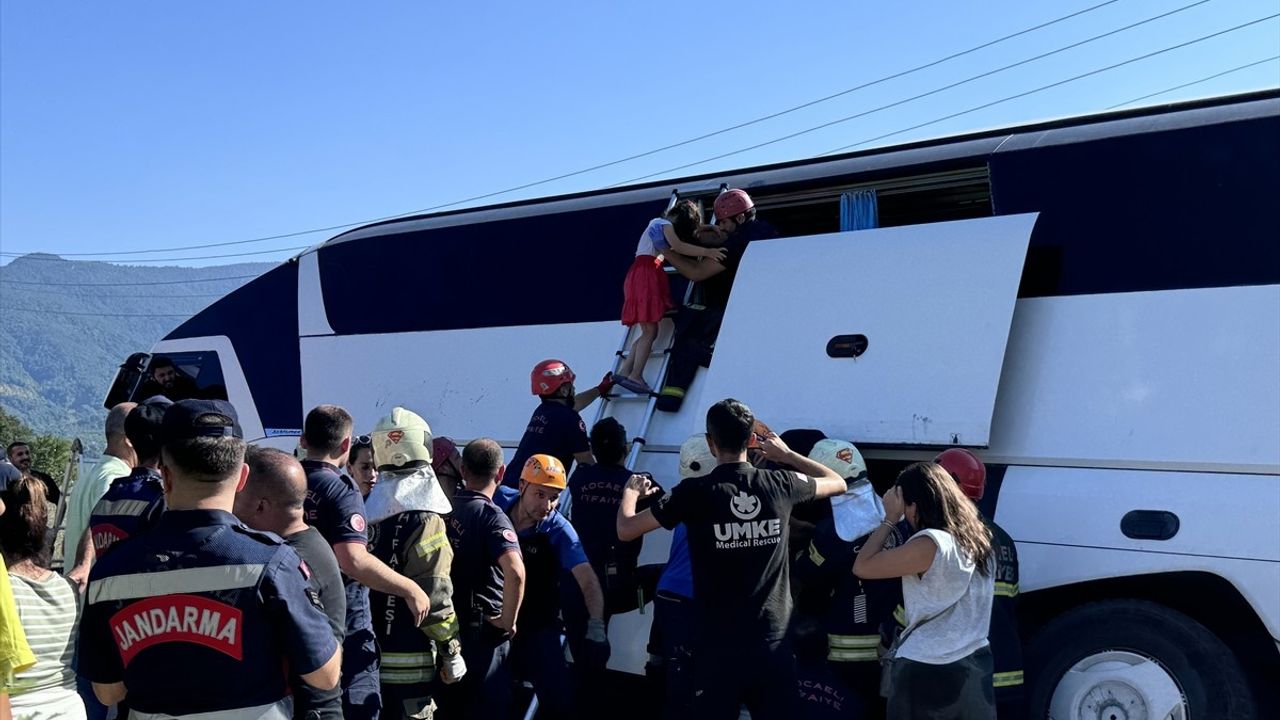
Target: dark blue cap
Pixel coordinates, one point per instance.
(143, 426)
(190, 419)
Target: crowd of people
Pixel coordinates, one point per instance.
(393, 574)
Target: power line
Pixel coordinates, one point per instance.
(894, 104)
(153, 260)
(97, 314)
(127, 295)
(125, 283)
(1053, 85)
(1215, 76)
(629, 158)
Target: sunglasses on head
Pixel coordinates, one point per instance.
(362, 441)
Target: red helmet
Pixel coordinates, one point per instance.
(732, 203)
(967, 470)
(549, 375)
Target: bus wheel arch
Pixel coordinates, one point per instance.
(1191, 633)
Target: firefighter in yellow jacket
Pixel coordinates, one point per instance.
(407, 532)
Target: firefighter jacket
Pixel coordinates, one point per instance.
(414, 544)
(1006, 645)
(851, 608)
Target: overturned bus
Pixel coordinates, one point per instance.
(1093, 304)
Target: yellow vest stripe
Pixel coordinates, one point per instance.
(428, 545)
(853, 641)
(1007, 679)
(852, 655)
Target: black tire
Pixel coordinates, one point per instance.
(1204, 668)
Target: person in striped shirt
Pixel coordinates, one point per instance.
(48, 608)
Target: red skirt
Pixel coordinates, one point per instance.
(646, 293)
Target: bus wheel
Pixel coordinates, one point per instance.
(1134, 660)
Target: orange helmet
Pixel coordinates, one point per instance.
(732, 203)
(549, 375)
(967, 470)
(544, 470)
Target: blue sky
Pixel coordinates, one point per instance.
(140, 126)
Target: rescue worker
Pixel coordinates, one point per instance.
(550, 547)
(134, 502)
(851, 609)
(488, 585)
(737, 519)
(556, 428)
(698, 324)
(406, 509)
(271, 501)
(198, 616)
(595, 492)
(446, 460)
(1006, 644)
(335, 508)
(821, 692)
(670, 665)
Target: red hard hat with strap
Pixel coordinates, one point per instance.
(549, 375)
(967, 470)
(732, 203)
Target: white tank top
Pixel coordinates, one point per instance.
(952, 578)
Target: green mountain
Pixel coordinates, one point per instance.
(66, 325)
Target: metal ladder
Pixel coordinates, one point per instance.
(638, 442)
(606, 401)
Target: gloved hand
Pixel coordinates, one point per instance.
(606, 384)
(596, 649)
(452, 668)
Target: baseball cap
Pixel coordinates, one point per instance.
(189, 419)
(143, 426)
(841, 457)
(696, 459)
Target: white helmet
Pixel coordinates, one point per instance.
(841, 457)
(401, 440)
(696, 459)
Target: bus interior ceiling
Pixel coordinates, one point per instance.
(902, 200)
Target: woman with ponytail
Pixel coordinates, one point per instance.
(48, 607)
(941, 666)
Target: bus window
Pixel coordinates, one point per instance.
(182, 376)
(962, 194)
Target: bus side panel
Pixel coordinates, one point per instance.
(1081, 538)
(261, 320)
(1179, 376)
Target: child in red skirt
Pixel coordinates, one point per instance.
(646, 292)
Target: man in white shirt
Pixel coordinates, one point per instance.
(117, 461)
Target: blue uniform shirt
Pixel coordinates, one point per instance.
(334, 507)
(203, 615)
(550, 549)
(556, 527)
(130, 507)
(677, 578)
(556, 430)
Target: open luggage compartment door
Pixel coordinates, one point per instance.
(893, 336)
